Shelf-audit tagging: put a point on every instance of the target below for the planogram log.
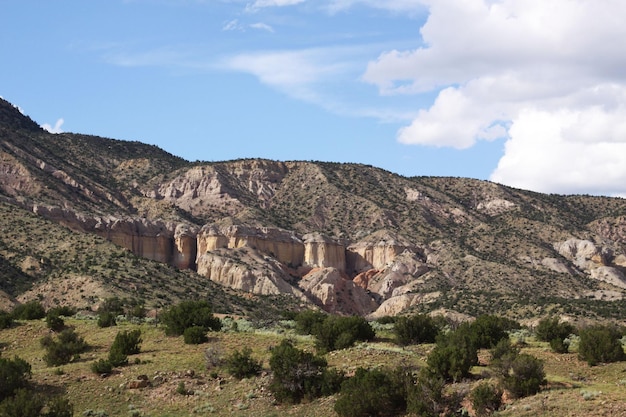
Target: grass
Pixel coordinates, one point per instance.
(573, 389)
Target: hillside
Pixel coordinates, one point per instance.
(350, 238)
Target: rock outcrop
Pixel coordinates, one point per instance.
(246, 269)
(282, 245)
(376, 251)
(322, 252)
(336, 293)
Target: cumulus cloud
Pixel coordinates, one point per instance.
(56, 128)
(546, 75)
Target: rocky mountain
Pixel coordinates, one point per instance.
(350, 238)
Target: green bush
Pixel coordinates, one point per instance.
(297, 374)
(503, 349)
(195, 335)
(101, 366)
(488, 330)
(425, 397)
(64, 311)
(486, 399)
(54, 322)
(117, 357)
(125, 343)
(67, 346)
(600, 344)
(23, 404)
(14, 375)
(59, 407)
(554, 332)
(242, 365)
(189, 314)
(416, 329)
(454, 354)
(128, 342)
(106, 319)
(525, 376)
(26, 403)
(112, 305)
(6, 319)
(337, 332)
(32, 310)
(371, 393)
(307, 321)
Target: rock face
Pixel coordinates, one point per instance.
(336, 293)
(282, 245)
(583, 253)
(376, 251)
(246, 269)
(323, 252)
(399, 277)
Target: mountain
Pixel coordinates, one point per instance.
(349, 238)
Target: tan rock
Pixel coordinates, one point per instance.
(609, 274)
(336, 293)
(245, 269)
(377, 251)
(282, 245)
(323, 252)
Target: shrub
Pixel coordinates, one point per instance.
(525, 376)
(189, 314)
(307, 321)
(550, 330)
(59, 407)
(128, 342)
(23, 404)
(102, 366)
(112, 305)
(14, 375)
(486, 398)
(54, 322)
(32, 310)
(488, 330)
(65, 311)
(425, 396)
(503, 349)
(454, 354)
(600, 344)
(242, 365)
(117, 357)
(416, 329)
(106, 319)
(6, 319)
(342, 332)
(195, 335)
(125, 343)
(297, 374)
(66, 347)
(371, 393)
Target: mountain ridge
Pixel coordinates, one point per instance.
(420, 242)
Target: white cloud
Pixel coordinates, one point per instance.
(295, 73)
(262, 26)
(232, 25)
(411, 6)
(260, 4)
(551, 71)
(56, 128)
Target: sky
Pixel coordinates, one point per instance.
(526, 93)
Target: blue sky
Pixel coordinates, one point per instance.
(529, 93)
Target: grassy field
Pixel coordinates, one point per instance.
(574, 388)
